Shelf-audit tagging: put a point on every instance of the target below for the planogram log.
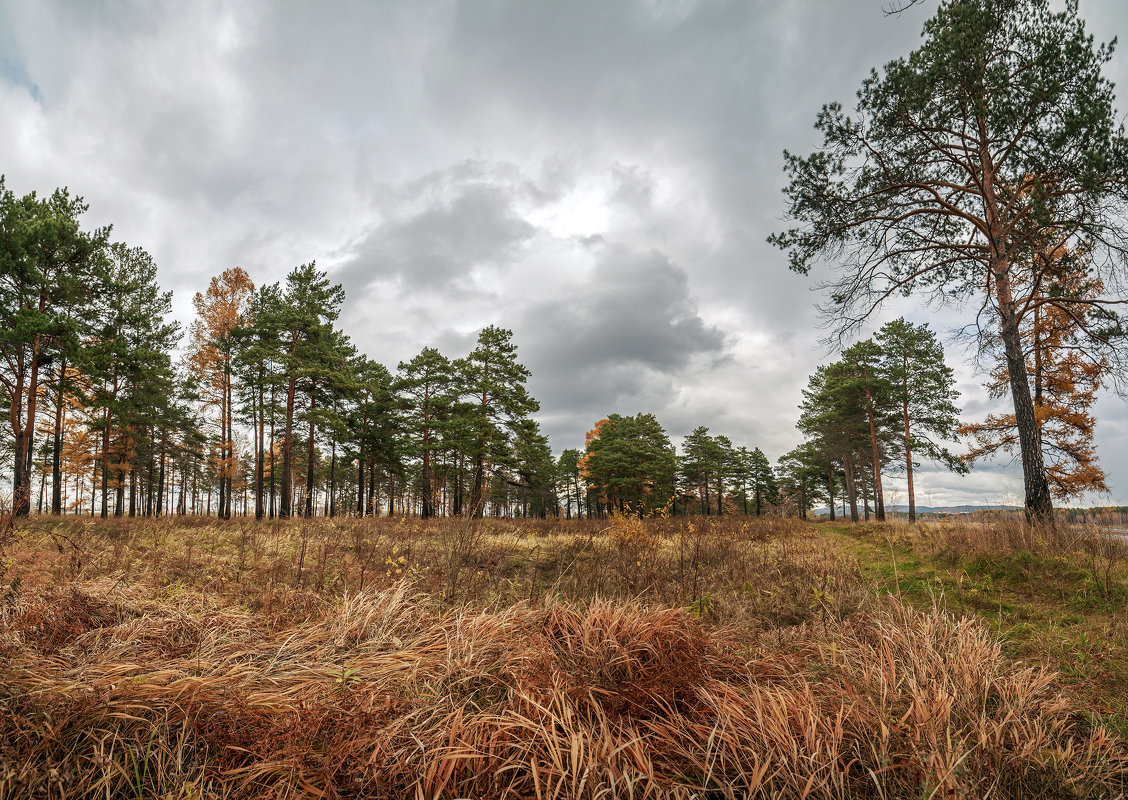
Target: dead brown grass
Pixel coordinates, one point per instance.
(114, 684)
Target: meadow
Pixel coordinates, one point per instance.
(710, 657)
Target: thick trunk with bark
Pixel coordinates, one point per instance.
(360, 486)
(1039, 503)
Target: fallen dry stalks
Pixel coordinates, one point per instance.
(388, 694)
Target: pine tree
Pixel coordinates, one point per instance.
(220, 313)
(427, 385)
(494, 383)
(922, 388)
(49, 270)
(302, 320)
(630, 464)
(568, 481)
(762, 479)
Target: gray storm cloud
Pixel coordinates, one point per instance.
(600, 177)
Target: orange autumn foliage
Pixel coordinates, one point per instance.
(1064, 379)
(219, 312)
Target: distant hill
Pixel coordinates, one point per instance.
(822, 512)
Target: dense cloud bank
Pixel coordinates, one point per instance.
(600, 177)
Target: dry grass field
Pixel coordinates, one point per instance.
(709, 658)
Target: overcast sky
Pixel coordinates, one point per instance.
(598, 176)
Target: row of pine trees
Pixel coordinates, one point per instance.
(271, 410)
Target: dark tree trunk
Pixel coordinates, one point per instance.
(1039, 503)
(260, 460)
(159, 507)
(287, 488)
(106, 466)
(229, 444)
(57, 445)
(428, 508)
(333, 481)
(862, 481)
(373, 503)
(360, 486)
(851, 489)
(309, 466)
(909, 459)
(878, 491)
(26, 443)
(830, 490)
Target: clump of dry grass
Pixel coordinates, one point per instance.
(107, 692)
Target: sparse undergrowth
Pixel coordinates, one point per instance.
(728, 658)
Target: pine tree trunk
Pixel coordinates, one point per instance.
(42, 484)
(159, 508)
(851, 489)
(360, 486)
(333, 481)
(260, 460)
(229, 444)
(22, 483)
(862, 480)
(373, 501)
(1039, 503)
(106, 466)
(878, 491)
(220, 505)
(15, 414)
(908, 440)
(287, 489)
(57, 446)
(310, 465)
(273, 470)
(830, 490)
(428, 509)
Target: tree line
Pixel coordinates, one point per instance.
(272, 411)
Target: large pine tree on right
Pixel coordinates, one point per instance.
(988, 149)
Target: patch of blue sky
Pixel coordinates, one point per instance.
(15, 73)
